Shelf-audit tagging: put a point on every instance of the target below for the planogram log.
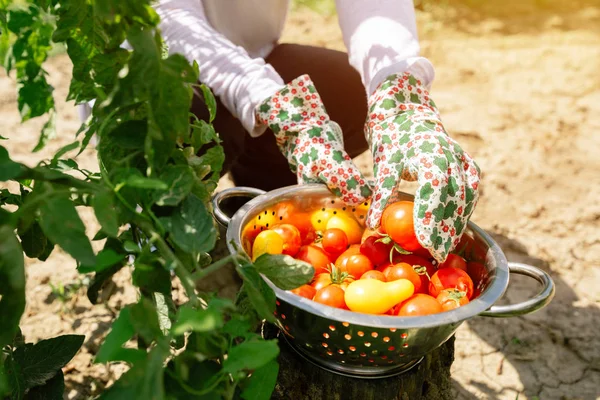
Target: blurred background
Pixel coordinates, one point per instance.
(518, 85)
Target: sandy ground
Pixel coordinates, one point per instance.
(518, 86)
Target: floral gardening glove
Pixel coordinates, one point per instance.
(311, 142)
(408, 141)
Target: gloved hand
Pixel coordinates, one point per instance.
(311, 142)
(408, 141)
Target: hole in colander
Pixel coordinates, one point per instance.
(346, 324)
(386, 339)
(324, 345)
(352, 348)
(341, 351)
(384, 357)
(374, 334)
(287, 328)
(401, 354)
(367, 344)
(347, 337)
(404, 335)
(326, 335)
(283, 316)
(405, 345)
(275, 313)
(332, 328)
(375, 352)
(393, 329)
(277, 302)
(391, 348)
(360, 333)
(390, 361)
(371, 360)
(363, 354)
(330, 353)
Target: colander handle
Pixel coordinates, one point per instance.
(530, 305)
(239, 191)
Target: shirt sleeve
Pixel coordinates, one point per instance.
(381, 38)
(240, 82)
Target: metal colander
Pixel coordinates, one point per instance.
(374, 346)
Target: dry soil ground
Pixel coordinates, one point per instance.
(518, 84)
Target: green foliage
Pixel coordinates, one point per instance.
(159, 167)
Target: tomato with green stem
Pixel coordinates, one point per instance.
(451, 278)
(451, 299)
(376, 249)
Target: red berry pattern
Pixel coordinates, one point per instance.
(311, 142)
(408, 141)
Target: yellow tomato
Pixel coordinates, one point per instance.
(267, 242)
(345, 222)
(372, 296)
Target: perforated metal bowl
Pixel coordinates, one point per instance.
(374, 346)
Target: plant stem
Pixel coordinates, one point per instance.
(213, 267)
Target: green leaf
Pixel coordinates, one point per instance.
(180, 180)
(33, 241)
(260, 295)
(39, 362)
(151, 276)
(12, 284)
(11, 379)
(203, 133)
(53, 389)
(262, 382)
(189, 319)
(143, 381)
(112, 348)
(8, 168)
(142, 182)
(61, 224)
(209, 100)
(104, 260)
(192, 227)
(106, 212)
(48, 132)
(250, 355)
(284, 271)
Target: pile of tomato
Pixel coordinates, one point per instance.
(385, 271)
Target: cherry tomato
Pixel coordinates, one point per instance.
(305, 291)
(451, 299)
(404, 271)
(418, 305)
(291, 238)
(357, 265)
(372, 296)
(374, 274)
(340, 262)
(267, 242)
(302, 222)
(423, 267)
(315, 256)
(455, 261)
(397, 222)
(334, 241)
(332, 296)
(376, 250)
(348, 224)
(451, 278)
(321, 280)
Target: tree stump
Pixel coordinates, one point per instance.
(301, 380)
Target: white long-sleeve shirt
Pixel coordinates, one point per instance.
(229, 40)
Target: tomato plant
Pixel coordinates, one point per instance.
(157, 169)
(451, 278)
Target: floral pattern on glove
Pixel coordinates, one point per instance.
(311, 142)
(408, 141)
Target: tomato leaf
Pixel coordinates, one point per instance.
(61, 224)
(180, 180)
(209, 100)
(53, 389)
(284, 271)
(33, 241)
(8, 168)
(250, 355)
(151, 276)
(112, 347)
(189, 319)
(192, 227)
(12, 284)
(104, 260)
(41, 361)
(262, 382)
(260, 295)
(106, 212)
(142, 182)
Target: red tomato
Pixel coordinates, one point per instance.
(451, 299)
(374, 274)
(332, 296)
(357, 265)
(455, 261)
(377, 251)
(478, 274)
(302, 222)
(334, 241)
(342, 259)
(305, 291)
(291, 238)
(423, 267)
(419, 304)
(315, 256)
(397, 222)
(450, 278)
(321, 280)
(403, 271)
